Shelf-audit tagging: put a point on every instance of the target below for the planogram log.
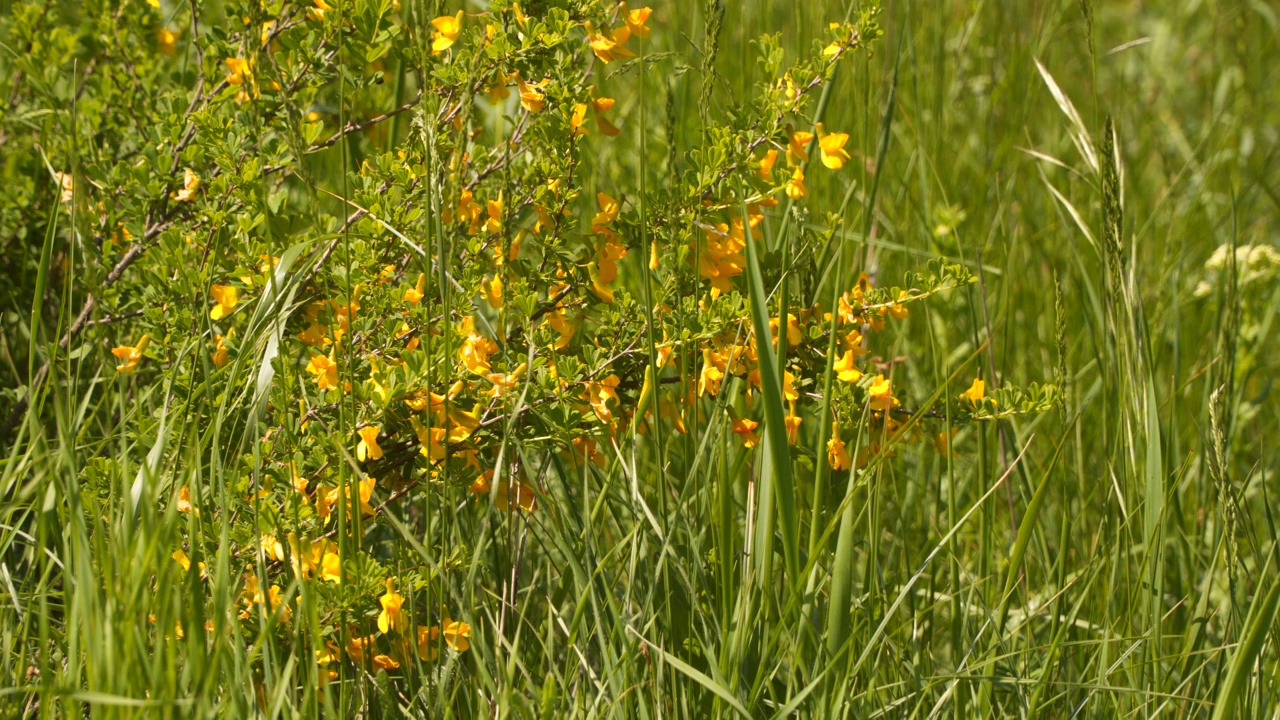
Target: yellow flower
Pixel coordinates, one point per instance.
(942, 441)
(494, 223)
(130, 356)
(846, 370)
(226, 297)
(608, 212)
(635, 19)
(326, 657)
(831, 148)
(182, 559)
(268, 27)
(331, 568)
(220, 349)
(404, 332)
(837, 457)
(598, 394)
(324, 505)
(190, 183)
(366, 494)
(274, 599)
(531, 97)
(607, 258)
(317, 10)
(745, 430)
(482, 484)
(563, 326)
(271, 547)
(414, 294)
(789, 88)
(433, 444)
(976, 392)
(711, 376)
(795, 186)
(881, 394)
(493, 291)
(601, 290)
(899, 310)
(794, 335)
(578, 119)
(447, 29)
(240, 71)
(368, 446)
(457, 634)
(585, 448)
(344, 312)
(426, 642)
(386, 662)
(376, 387)
(792, 421)
(853, 343)
(252, 594)
(723, 255)
(603, 105)
(391, 617)
(797, 151)
(122, 234)
(325, 370)
(166, 42)
(299, 483)
(475, 349)
(356, 647)
(788, 386)
(611, 47)
(468, 210)
(766, 165)
(184, 499)
(315, 334)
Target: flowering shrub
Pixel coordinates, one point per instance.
(432, 301)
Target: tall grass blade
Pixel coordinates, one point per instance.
(1262, 615)
(775, 477)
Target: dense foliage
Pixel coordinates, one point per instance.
(569, 358)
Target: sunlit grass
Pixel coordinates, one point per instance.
(1109, 176)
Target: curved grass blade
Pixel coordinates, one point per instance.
(697, 676)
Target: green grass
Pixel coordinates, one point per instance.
(1113, 557)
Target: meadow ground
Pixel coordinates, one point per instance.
(362, 359)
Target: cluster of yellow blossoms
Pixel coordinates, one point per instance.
(401, 415)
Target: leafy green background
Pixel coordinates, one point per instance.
(1123, 566)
